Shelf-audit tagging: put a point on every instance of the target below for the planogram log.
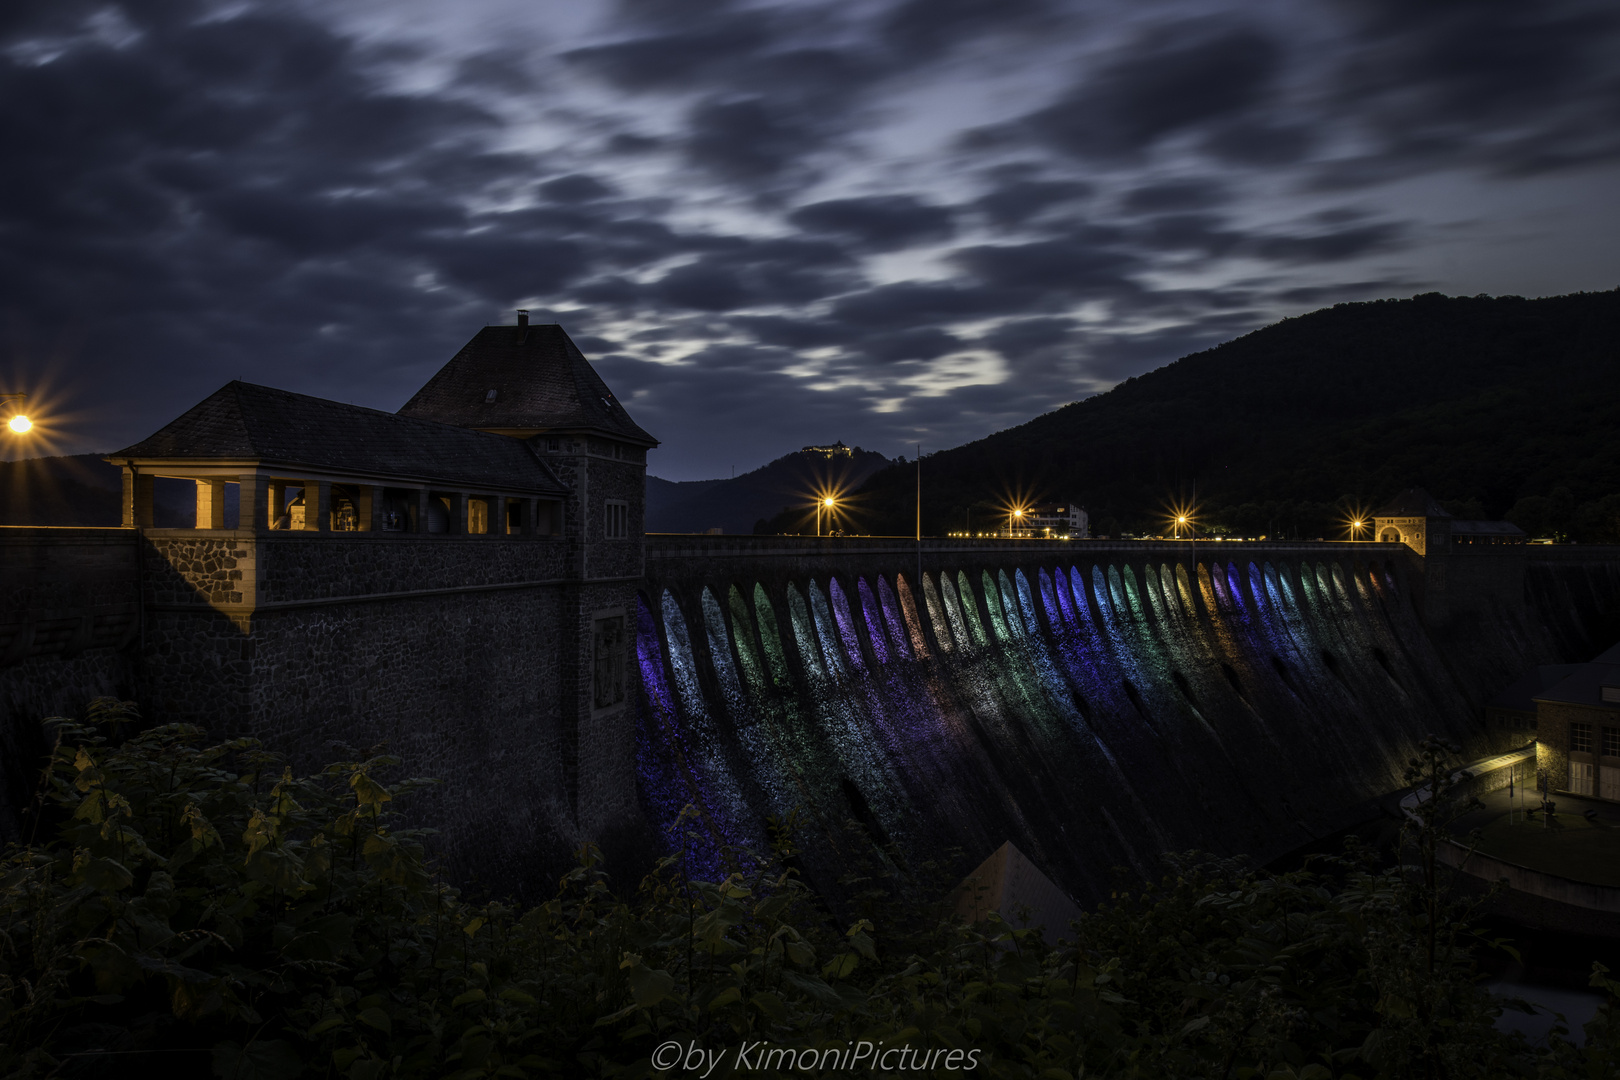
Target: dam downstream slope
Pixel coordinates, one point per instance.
(1094, 713)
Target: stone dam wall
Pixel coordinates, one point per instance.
(1095, 703)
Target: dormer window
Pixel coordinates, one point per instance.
(489, 397)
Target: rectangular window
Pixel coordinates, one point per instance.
(608, 665)
(1611, 693)
(616, 520)
(1610, 778)
(1580, 737)
(1580, 777)
(1611, 741)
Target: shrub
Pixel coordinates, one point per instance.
(204, 907)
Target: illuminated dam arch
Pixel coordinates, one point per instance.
(1096, 707)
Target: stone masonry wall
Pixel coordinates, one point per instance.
(69, 624)
(465, 688)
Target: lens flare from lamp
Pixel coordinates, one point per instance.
(20, 424)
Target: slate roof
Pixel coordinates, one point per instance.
(1584, 686)
(542, 382)
(243, 422)
(1462, 527)
(1520, 697)
(1413, 502)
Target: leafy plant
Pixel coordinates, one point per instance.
(203, 906)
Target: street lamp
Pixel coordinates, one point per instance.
(1180, 521)
(19, 422)
(1016, 512)
(828, 503)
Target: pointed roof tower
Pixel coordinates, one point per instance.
(1413, 502)
(524, 380)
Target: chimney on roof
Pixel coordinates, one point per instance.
(523, 316)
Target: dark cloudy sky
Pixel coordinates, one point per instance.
(768, 223)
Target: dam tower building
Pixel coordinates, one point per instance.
(456, 580)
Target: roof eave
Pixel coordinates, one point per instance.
(556, 487)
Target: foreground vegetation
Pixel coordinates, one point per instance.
(206, 910)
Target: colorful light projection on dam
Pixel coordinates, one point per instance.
(1094, 715)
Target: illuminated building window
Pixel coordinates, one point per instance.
(1580, 737)
(1611, 741)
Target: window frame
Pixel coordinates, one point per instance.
(1582, 731)
(613, 622)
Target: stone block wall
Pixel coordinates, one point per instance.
(70, 623)
(465, 688)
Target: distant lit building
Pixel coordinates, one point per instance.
(1054, 519)
(836, 450)
(1415, 519)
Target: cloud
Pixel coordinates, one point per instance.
(924, 30)
(1521, 89)
(877, 223)
(1169, 80)
(1017, 198)
(1084, 263)
(333, 199)
(575, 188)
(1188, 193)
(1335, 246)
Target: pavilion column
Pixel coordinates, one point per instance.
(458, 513)
(255, 502)
(278, 502)
(421, 511)
(210, 503)
(137, 499)
(369, 508)
(318, 506)
(497, 515)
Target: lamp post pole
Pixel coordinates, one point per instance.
(919, 523)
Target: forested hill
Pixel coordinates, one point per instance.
(786, 487)
(1499, 406)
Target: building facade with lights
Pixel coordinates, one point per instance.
(1055, 520)
(1577, 729)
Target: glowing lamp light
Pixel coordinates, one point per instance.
(1181, 521)
(20, 423)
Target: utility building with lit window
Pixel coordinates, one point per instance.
(1578, 729)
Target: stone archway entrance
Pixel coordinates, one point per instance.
(1390, 535)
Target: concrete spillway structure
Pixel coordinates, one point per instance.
(1095, 704)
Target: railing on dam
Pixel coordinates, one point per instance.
(673, 560)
